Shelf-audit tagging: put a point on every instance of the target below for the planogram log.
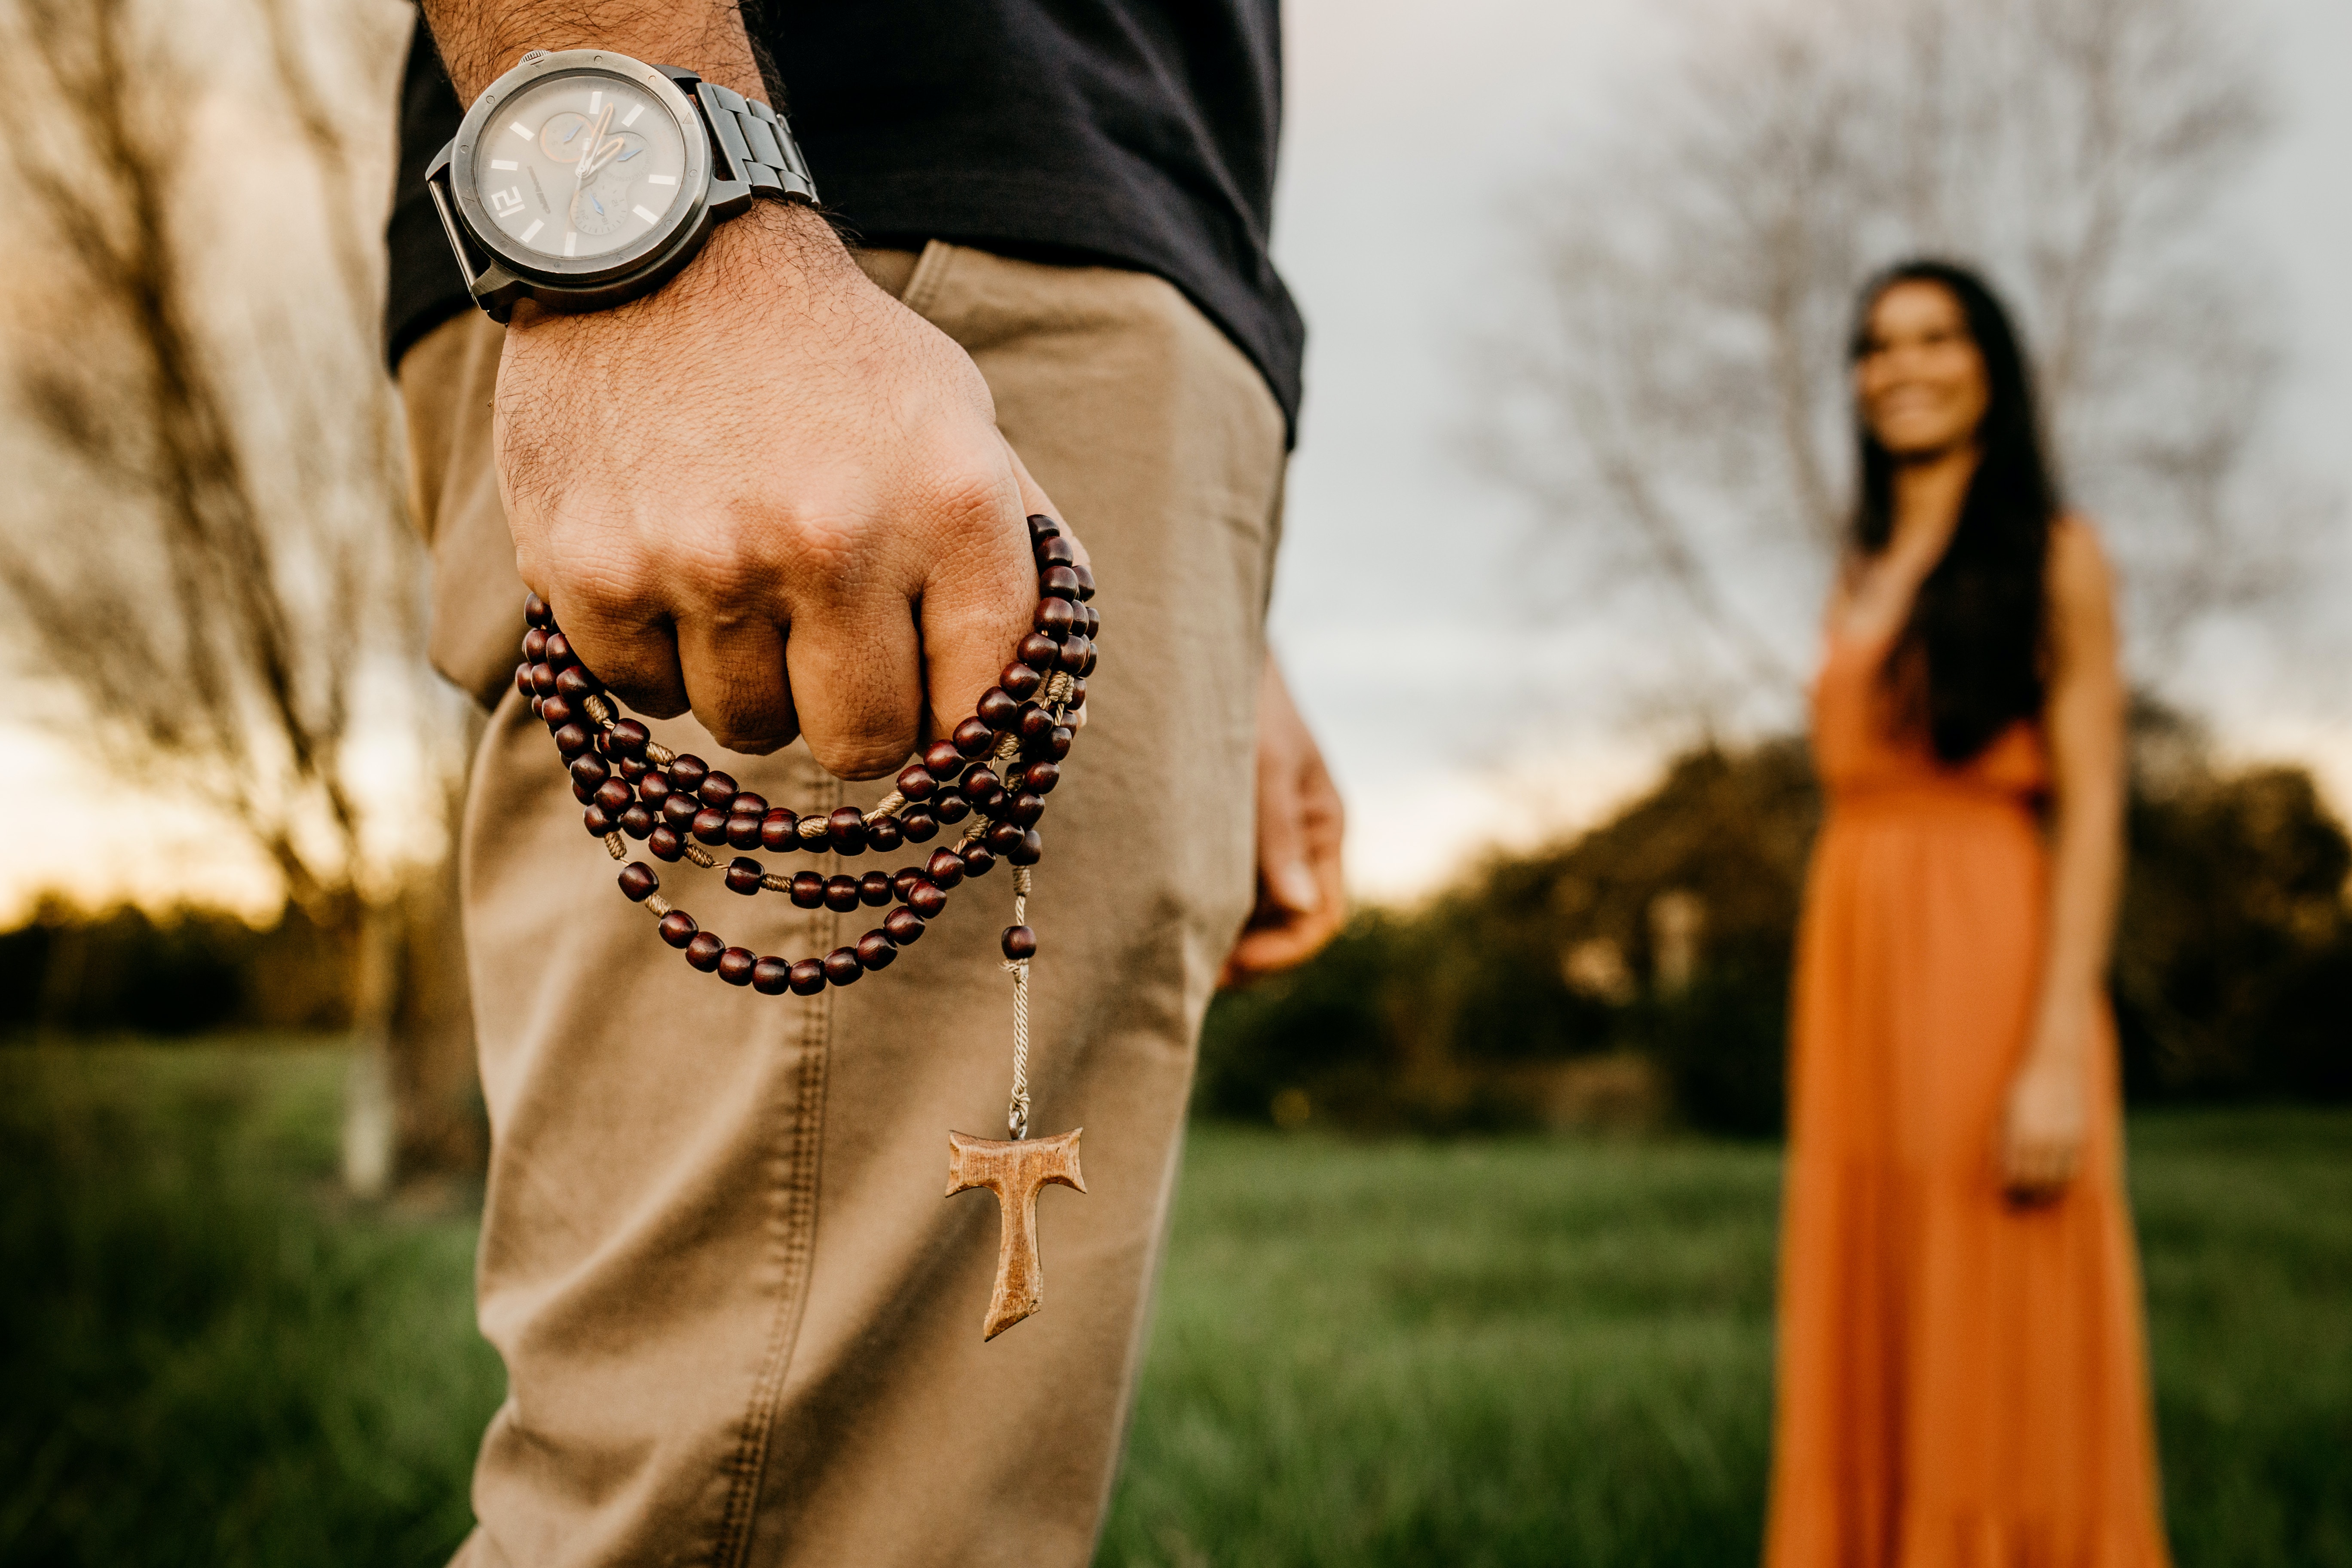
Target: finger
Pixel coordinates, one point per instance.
(978, 600)
(632, 650)
(1284, 941)
(735, 678)
(1036, 502)
(857, 673)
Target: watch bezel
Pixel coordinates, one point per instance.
(685, 216)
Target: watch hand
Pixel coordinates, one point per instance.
(590, 162)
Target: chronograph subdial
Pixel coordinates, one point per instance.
(602, 205)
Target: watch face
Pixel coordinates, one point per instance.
(581, 165)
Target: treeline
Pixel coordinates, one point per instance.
(66, 973)
(1640, 972)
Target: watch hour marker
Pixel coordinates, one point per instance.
(571, 241)
(631, 117)
(525, 131)
(595, 101)
(641, 212)
(536, 225)
(661, 179)
(504, 164)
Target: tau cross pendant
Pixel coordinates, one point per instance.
(1013, 1171)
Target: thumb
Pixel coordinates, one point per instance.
(1281, 837)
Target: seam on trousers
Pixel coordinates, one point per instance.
(930, 277)
(796, 1197)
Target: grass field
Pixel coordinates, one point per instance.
(1487, 1353)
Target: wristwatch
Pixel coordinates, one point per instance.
(583, 178)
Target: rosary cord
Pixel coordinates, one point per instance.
(1017, 1116)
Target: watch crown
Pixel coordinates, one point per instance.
(534, 55)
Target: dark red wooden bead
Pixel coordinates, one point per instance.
(582, 793)
(807, 977)
(1059, 581)
(686, 770)
(523, 681)
(919, 824)
(715, 789)
(572, 682)
(535, 610)
(555, 712)
(979, 781)
(571, 740)
(1003, 839)
(1025, 809)
(597, 821)
(559, 649)
(615, 797)
(742, 832)
(1050, 747)
(1041, 777)
(902, 926)
(944, 867)
(703, 950)
(543, 678)
(927, 898)
(917, 783)
(997, 707)
(1085, 574)
(677, 928)
(904, 877)
(972, 738)
(1029, 851)
(876, 949)
(942, 759)
(780, 831)
(1056, 550)
(977, 860)
(743, 875)
(1042, 527)
(1090, 620)
(628, 739)
(664, 844)
(808, 890)
(770, 976)
(636, 822)
(1019, 943)
(735, 965)
(636, 770)
(711, 825)
(534, 645)
(1074, 652)
(1055, 618)
(747, 804)
(679, 810)
(1036, 722)
(1037, 649)
(953, 808)
(1077, 696)
(841, 894)
(640, 882)
(654, 788)
(874, 889)
(841, 965)
(1019, 679)
(884, 833)
(846, 829)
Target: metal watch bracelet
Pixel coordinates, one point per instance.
(754, 137)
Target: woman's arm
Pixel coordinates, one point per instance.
(2049, 1100)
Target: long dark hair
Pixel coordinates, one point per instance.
(1968, 663)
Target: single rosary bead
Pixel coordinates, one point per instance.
(1036, 723)
(746, 804)
(703, 950)
(636, 822)
(522, 682)
(1055, 551)
(543, 678)
(742, 832)
(841, 894)
(807, 977)
(654, 788)
(534, 645)
(780, 831)
(1041, 777)
(919, 824)
(1025, 809)
(997, 708)
(874, 889)
(1003, 839)
(1086, 577)
(715, 789)
(1042, 527)
(636, 770)
(535, 610)
(977, 860)
(945, 867)
(590, 769)
(735, 965)
(1077, 696)
(679, 810)
(979, 782)
(677, 928)
(972, 738)
(687, 771)
(571, 741)
(772, 976)
(1037, 650)
(554, 713)
(1090, 620)
(664, 844)
(628, 739)
(876, 949)
(1056, 744)
(846, 830)
(582, 793)
(1075, 653)
(572, 682)
(902, 926)
(640, 882)
(883, 834)
(927, 898)
(1059, 581)
(1029, 850)
(615, 797)
(841, 965)
(743, 876)
(808, 890)
(1055, 618)
(1019, 943)
(916, 783)
(559, 650)
(942, 759)
(953, 808)
(597, 821)
(711, 825)
(1019, 679)
(904, 877)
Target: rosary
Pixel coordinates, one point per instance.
(996, 767)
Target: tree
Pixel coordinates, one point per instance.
(1681, 419)
(213, 573)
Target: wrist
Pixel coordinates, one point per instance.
(774, 250)
(708, 39)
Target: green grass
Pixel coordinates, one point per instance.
(1499, 1352)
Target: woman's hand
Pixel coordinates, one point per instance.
(1302, 901)
(2046, 1123)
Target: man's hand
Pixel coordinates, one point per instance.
(771, 494)
(1301, 904)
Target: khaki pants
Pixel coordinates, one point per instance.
(739, 1322)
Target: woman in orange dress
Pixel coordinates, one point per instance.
(1961, 1377)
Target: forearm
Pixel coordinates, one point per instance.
(2085, 865)
(481, 39)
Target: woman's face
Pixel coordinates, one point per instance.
(1920, 382)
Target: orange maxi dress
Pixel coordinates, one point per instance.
(1962, 1381)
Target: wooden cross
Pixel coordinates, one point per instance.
(1013, 1171)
